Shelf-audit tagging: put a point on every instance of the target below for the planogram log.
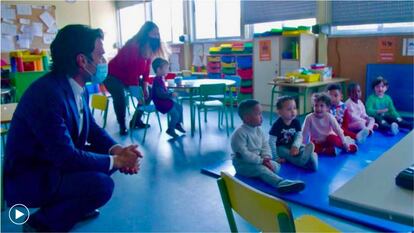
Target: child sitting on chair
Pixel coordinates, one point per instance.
(381, 107)
(251, 151)
(341, 113)
(321, 128)
(286, 137)
(163, 99)
(359, 121)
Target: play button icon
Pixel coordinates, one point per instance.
(19, 214)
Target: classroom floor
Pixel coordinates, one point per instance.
(170, 194)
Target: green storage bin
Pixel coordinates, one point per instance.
(22, 80)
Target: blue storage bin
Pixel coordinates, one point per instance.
(244, 62)
(228, 59)
(214, 76)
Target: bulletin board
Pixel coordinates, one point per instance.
(27, 21)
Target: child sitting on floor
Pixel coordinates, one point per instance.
(321, 128)
(359, 121)
(163, 99)
(381, 107)
(286, 137)
(341, 113)
(251, 151)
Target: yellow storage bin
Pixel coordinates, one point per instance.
(213, 58)
(228, 65)
(309, 78)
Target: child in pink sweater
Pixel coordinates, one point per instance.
(358, 118)
(321, 128)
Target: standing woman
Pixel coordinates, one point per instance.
(132, 63)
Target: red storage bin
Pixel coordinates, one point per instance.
(246, 90)
(213, 69)
(213, 64)
(245, 73)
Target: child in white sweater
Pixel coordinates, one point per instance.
(251, 151)
(321, 128)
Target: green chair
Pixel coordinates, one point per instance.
(212, 97)
(100, 102)
(4, 131)
(233, 94)
(147, 109)
(266, 213)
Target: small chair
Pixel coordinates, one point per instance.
(207, 102)
(266, 213)
(233, 94)
(4, 131)
(183, 95)
(100, 102)
(146, 108)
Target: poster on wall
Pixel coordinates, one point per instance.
(265, 49)
(386, 49)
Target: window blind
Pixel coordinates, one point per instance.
(259, 11)
(371, 12)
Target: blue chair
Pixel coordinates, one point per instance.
(147, 109)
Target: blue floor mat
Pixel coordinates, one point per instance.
(333, 172)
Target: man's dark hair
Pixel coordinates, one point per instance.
(71, 41)
(351, 87)
(157, 63)
(246, 107)
(322, 97)
(379, 80)
(282, 100)
(334, 86)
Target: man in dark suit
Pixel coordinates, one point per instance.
(57, 158)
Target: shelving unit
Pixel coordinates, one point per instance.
(288, 53)
(236, 61)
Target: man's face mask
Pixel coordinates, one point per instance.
(100, 74)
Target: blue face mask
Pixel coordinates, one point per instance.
(100, 74)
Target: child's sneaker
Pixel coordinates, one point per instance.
(352, 148)
(312, 163)
(290, 186)
(394, 128)
(331, 151)
(307, 152)
(172, 133)
(362, 135)
(180, 128)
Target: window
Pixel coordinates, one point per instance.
(407, 27)
(130, 20)
(168, 15)
(216, 19)
(228, 18)
(263, 27)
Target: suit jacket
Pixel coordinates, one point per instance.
(44, 143)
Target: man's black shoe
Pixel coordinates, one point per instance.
(90, 215)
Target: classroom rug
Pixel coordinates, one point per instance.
(333, 172)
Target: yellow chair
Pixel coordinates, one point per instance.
(100, 102)
(266, 213)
